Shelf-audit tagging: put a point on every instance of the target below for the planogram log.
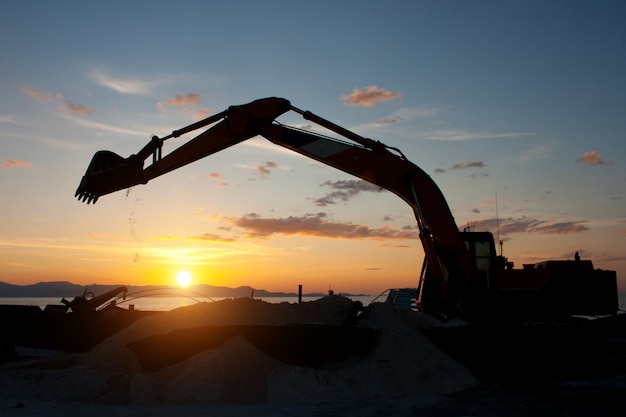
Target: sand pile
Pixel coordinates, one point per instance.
(112, 354)
(402, 365)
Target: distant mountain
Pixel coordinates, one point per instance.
(69, 290)
(41, 289)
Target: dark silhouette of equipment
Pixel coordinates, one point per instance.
(461, 273)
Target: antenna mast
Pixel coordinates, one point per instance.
(498, 225)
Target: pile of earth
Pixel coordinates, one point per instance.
(401, 366)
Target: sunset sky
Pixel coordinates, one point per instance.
(522, 103)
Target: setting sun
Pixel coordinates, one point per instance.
(183, 278)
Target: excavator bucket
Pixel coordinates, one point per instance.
(108, 172)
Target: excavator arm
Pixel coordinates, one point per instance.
(109, 172)
(448, 265)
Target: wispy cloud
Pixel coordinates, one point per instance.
(57, 143)
(535, 152)
(463, 135)
(530, 225)
(16, 163)
(591, 158)
(368, 96)
(33, 93)
(314, 224)
(546, 195)
(344, 190)
(57, 244)
(481, 174)
(166, 238)
(103, 126)
(9, 119)
(78, 108)
(403, 115)
(466, 165)
(386, 121)
(211, 237)
(127, 85)
(604, 256)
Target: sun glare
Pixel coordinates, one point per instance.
(183, 278)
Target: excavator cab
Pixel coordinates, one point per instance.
(482, 249)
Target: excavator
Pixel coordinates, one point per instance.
(461, 275)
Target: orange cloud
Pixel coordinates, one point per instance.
(47, 97)
(201, 114)
(591, 158)
(36, 94)
(191, 99)
(78, 108)
(368, 96)
(265, 170)
(13, 163)
(216, 176)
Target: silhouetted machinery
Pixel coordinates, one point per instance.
(461, 273)
(73, 325)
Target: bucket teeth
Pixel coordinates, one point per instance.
(86, 196)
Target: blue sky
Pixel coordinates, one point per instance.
(523, 100)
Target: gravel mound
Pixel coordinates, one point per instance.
(403, 365)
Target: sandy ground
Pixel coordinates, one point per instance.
(403, 374)
(602, 397)
(264, 410)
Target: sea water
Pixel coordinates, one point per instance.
(166, 303)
